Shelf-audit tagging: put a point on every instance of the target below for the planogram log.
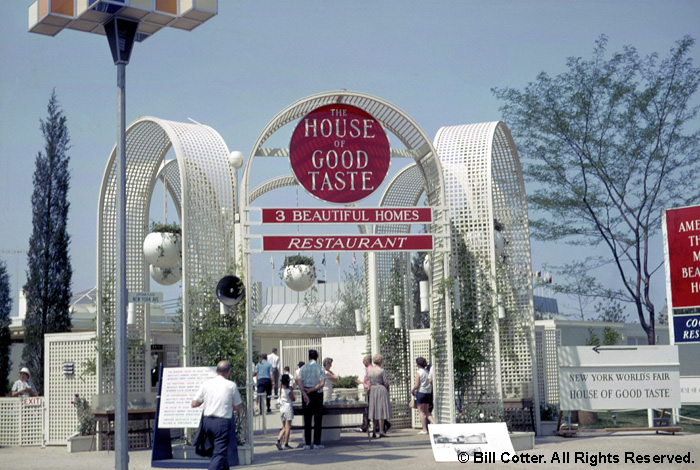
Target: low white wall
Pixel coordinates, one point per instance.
(347, 353)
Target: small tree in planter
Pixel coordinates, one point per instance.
(299, 272)
(163, 246)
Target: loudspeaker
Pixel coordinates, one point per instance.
(230, 290)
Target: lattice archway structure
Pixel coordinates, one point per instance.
(484, 186)
(203, 187)
(427, 174)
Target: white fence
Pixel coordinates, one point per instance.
(21, 421)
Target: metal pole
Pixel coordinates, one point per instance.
(121, 436)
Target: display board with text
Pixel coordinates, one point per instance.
(618, 377)
(180, 384)
(681, 230)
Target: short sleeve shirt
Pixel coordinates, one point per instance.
(274, 360)
(218, 396)
(263, 369)
(21, 385)
(311, 374)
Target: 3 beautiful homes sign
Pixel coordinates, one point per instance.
(340, 154)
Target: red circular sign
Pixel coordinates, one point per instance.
(339, 153)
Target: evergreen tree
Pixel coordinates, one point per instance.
(48, 287)
(5, 309)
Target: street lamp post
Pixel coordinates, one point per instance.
(123, 22)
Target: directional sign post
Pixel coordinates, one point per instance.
(625, 377)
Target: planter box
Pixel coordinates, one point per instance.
(522, 440)
(548, 428)
(81, 443)
(245, 454)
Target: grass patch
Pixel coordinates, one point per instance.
(638, 419)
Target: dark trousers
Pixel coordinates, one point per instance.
(265, 386)
(313, 409)
(217, 431)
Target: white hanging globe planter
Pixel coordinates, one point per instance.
(166, 276)
(163, 249)
(299, 277)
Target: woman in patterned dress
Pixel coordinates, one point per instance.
(379, 406)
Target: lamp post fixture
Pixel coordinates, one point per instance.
(123, 22)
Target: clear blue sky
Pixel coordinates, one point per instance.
(435, 60)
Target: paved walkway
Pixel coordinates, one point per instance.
(403, 449)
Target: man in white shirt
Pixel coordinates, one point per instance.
(220, 398)
(274, 361)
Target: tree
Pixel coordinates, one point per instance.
(605, 143)
(48, 287)
(5, 339)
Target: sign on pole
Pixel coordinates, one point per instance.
(145, 297)
(681, 230)
(618, 377)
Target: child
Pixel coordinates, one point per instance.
(286, 412)
(287, 371)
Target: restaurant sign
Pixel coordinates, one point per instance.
(407, 242)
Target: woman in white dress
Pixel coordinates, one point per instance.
(331, 378)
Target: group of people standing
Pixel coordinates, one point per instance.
(220, 398)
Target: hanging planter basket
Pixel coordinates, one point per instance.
(166, 276)
(299, 272)
(163, 246)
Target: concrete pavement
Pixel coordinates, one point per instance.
(406, 450)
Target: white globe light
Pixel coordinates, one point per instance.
(236, 159)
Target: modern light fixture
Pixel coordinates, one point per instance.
(123, 22)
(424, 289)
(359, 320)
(397, 316)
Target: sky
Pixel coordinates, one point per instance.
(435, 60)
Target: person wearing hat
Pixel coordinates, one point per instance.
(24, 387)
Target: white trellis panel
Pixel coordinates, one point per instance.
(547, 340)
(78, 349)
(20, 424)
(203, 187)
(484, 184)
(421, 346)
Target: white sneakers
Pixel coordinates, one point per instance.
(317, 446)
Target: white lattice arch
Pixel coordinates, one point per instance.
(417, 146)
(484, 183)
(203, 186)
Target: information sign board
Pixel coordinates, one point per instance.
(180, 384)
(618, 377)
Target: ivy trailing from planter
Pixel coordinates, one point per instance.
(166, 228)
